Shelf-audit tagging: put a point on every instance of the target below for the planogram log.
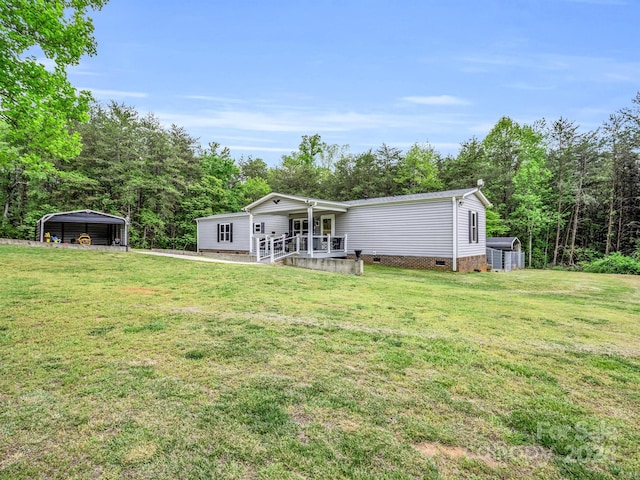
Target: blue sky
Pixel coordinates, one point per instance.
(257, 75)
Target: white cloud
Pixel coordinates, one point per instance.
(600, 2)
(437, 100)
(114, 94)
(529, 86)
(557, 67)
(209, 98)
(305, 121)
(253, 148)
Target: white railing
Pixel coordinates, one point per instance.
(275, 248)
(325, 244)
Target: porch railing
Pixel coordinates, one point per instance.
(275, 248)
(324, 244)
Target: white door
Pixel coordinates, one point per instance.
(328, 225)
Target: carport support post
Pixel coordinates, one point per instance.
(126, 233)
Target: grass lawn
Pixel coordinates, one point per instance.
(120, 365)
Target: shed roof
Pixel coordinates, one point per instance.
(83, 216)
(503, 243)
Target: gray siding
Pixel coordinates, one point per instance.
(208, 233)
(273, 223)
(418, 229)
(208, 230)
(466, 249)
(284, 205)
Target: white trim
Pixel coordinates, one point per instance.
(304, 200)
(332, 216)
(197, 234)
(454, 251)
(251, 233)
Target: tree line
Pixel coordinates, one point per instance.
(569, 195)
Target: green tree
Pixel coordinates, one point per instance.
(38, 104)
(464, 170)
(417, 172)
(531, 185)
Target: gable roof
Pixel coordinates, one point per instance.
(295, 198)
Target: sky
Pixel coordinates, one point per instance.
(257, 75)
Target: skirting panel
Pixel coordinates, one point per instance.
(465, 264)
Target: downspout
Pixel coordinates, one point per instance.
(454, 249)
(250, 233)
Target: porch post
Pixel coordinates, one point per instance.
(310, 232)
(250, 233)
(328, 243)
(271, 240)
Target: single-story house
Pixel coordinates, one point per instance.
(67, 227)
(436, 230)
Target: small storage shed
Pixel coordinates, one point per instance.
(103, 228)
(509, 244)
(504, 253)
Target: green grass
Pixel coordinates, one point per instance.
(120, 365)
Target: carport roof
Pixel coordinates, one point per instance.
(83, 216)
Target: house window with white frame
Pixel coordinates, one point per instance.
(258, 227)
(473, 227)
(225, 232)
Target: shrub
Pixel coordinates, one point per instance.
(614, 263)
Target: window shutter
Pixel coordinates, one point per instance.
(470, 226)
(262, 229)
(231, 232)
(218, 225)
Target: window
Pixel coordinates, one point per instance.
(473, 227)
(225, 232)
(300, 226)
(258, 227)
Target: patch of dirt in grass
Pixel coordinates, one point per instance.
(140, 453)
(329, 419)
(143, 290)
(10, 459)
(191, 309)
(432, 450)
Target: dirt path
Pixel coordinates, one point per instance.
(198, 258)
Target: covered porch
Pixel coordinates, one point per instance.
(311, 228)
(322, 246)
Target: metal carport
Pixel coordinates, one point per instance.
(103, 228)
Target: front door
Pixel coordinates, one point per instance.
(328, 225)
(300, 226)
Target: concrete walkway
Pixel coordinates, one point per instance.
(197, 258)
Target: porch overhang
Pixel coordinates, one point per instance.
(296, 205)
